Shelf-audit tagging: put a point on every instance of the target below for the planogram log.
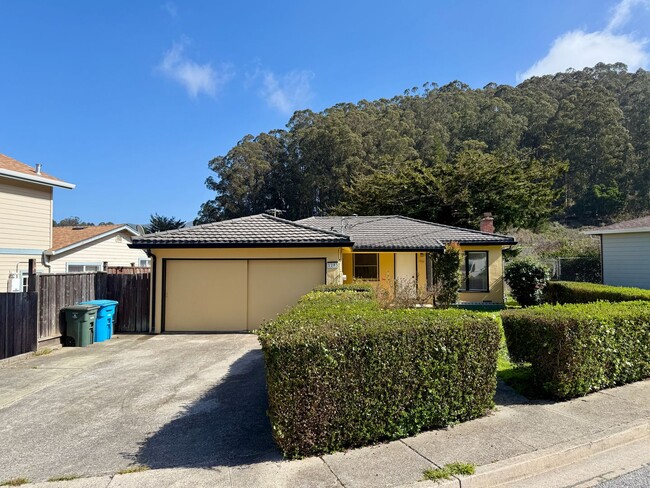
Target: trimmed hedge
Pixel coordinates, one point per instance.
(342, 372)
(578, 292)
(576, 349)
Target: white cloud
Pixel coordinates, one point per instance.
(286, 93)
(196, 78)
(171, 9)
(579, 49)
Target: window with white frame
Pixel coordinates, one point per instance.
(144, 263)
(83, 267)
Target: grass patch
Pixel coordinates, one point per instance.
(15, 482)
(43, 352)
(65, 477)
(134, 469)
(449, 470)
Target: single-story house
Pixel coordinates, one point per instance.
(395, 252)
(78, 249)
(624, 252)
(233, 275)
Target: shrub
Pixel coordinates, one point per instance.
(576, 292)
(342, 372)
(579, 348)
(526, 279)
(447, 275)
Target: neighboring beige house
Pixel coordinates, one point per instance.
(78, 249)
(25, 216)
(233, 275)
(625, 252)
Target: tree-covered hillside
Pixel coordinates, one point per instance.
(573, 147)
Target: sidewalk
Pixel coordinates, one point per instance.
(519, 439)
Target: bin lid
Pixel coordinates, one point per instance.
(100, 303)
(81, 308)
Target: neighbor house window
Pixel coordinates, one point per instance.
(144, 263)
(366, 266)
(475, 271)
(83, 267)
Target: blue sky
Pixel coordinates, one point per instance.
(130, 100)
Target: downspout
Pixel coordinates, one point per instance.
(45, 260)
(152, 325)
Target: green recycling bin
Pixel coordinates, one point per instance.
(79, 325)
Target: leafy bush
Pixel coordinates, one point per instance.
(342, 372)
(576, 292)
(526, 279)
(447, 275)
(579, 348)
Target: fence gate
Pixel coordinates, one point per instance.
(18, 333)
(132, 291)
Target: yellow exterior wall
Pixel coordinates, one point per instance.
(495, 277)
(25, 224)
(333, 254)
(387, 274)
(112, 249)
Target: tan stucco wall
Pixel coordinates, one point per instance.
(112, 249)
(25, 224)
(333, 254)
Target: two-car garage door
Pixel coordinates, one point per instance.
(220, 295)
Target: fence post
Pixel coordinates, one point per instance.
(31, 279)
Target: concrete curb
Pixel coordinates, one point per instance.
(538, 462)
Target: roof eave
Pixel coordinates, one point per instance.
(39, 180)
(633, 230)
(229, 245)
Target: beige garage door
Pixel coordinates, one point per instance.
(274, 285)
(233, 295)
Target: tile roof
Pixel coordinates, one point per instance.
(64, 236)
(260, 230)
(642, 223)
(394, 232)
(16, 166)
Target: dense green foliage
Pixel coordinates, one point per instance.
(160, 223)
(447, 275)
(576, 292)
(342, 372)
(579, 348)
(574, 144)
(526, 279)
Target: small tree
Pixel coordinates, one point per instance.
(526, 279)
(159, 223)
(446, 275)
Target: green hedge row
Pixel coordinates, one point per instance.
(576, 349)
(342, 372)
(578, 292)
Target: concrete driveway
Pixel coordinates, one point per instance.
(163, 401)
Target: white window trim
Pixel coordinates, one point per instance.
(147, 263)
(98, 265)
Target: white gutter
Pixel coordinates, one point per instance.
(631, 230)
(17, 175)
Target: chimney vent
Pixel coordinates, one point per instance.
(38, 168)
(487, 223)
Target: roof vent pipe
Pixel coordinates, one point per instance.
(38, 168)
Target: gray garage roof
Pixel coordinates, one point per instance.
(641, 224)
(394, 232)
(261, 230)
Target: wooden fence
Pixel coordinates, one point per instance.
(18, 333)
(56, 291)
(132, 293)
(29, 318)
